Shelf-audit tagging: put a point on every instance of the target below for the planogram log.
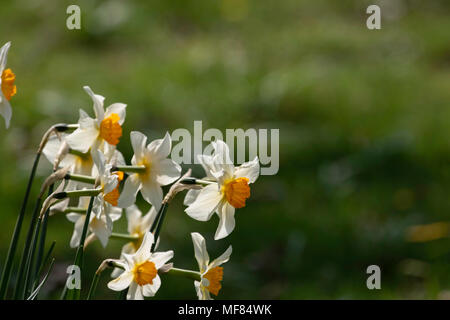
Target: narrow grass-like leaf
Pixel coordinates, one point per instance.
(44, 263)
(21, 275)
(16, 234)
(34, 294)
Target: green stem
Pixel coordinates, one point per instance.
(160, 217)
(74, 209)
(123, 236)
(193, 275)
(78, 193)
(15, 238)
(80, 178)
(133, 169)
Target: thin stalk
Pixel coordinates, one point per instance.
(20, 285)
(193, 275)
(80, 178)
(15, 238)
(74, 209)
(132, 169)
(123, 236)
(162, 214)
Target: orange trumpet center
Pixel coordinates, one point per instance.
(8, 87)
(144, 273)
(113, 196)
(236, 191)
(110, 129)
(214, 276)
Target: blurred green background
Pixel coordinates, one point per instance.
(363, 118)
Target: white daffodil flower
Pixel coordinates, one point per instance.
(211, 273)
(140, 273)
(229, 191)
(8, 88)
(106, 127)
(159, 170)
(109, 184)
(138, 226)
(101, 226)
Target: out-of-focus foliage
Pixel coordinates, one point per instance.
(363, 117)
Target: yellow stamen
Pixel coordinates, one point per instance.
(110, 129)
(144, 273)
(113, 196)
(8, 87)
(214, 276)
(236, 191)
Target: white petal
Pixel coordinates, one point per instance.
(73, 217)
(4, 55)
(152, 193)
(119, 109)
(198, 290)
(160, 258)
(207, 164)
(101, 231)
(121, 282)
(82, 139)
(226, 222)
(201, 254)
(130, 189)
(222, 259)
(133, 218)
(77, 231)
(135, 292)
(113, 212)
(191, 196)
(249, 170)
(222, 156)
(138, 142)
(160, 148)
(149, 290)
(206, 203)
(143, 253)
(167, 171)
(5, 110)
(98, 104)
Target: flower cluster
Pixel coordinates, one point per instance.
(101, 184)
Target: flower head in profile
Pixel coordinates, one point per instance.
(228, 191)
(7, 86)
(159, 170)
(102, 132)
(100, 226)
(140, 273)
(211, 273)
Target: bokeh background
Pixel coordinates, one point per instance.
(363, 118)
